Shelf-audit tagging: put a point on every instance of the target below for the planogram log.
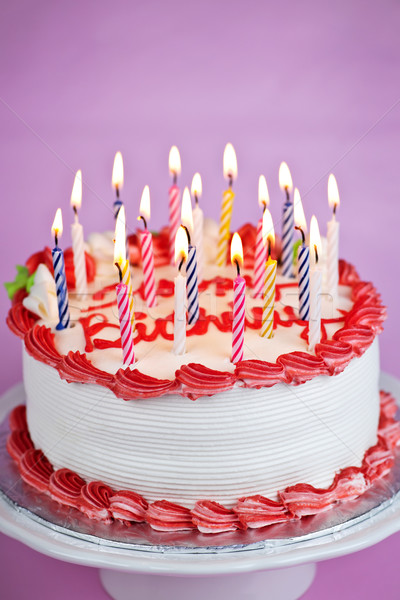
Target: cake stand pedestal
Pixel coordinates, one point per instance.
(278, 573)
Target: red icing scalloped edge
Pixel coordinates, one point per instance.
(361, 325)
(98, 501)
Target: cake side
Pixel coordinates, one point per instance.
(238, 443)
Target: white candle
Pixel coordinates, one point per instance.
(314, 333)
(181, 251)
(333, 241)
(78, 239)
(198, 225)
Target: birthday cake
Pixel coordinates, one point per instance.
(193, 439)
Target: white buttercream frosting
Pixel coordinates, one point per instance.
(235, 444)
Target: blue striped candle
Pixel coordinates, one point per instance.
(287, 239)
(304, 282)
(61, 287)
(192, 286)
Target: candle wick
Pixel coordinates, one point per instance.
(269, 247)
(75, 213)
(117, 190)
(56, 238)
(334, 209)
(181, 263)
(119, 271)
(287, 194)
(175, 178)
(187, 233)
(237, 267)
(303, 241)
(316, 253)
(230, 180)
(196, 199)
(141, 217)
(264, 206)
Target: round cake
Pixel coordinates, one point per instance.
(194, 440)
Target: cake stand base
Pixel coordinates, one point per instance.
(277, 584)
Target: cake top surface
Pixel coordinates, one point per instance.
(90, 350)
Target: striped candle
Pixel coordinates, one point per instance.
(174, 218)
(59, 273)
(192, 289)
(332, 262)
(303, 265)
(239, 290)
(125, 324)
(225, 226)
(287, 239)
(286, 185)
(260, 258)
(267, 325)
(230, 173)
(126, 279)
(333, 258)
(77, 238)
(61, 287)
(146, 241)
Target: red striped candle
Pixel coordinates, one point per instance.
(125, 325)
(146, 241)
(239, 294)
(174, 201)
(260, 258)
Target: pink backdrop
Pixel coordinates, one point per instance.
(314, 83)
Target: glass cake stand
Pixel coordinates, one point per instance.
(278, 569)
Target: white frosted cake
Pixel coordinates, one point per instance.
(193, 440)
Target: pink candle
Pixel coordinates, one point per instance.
(260, 255)
(239, 292)
(260, 258)
(174, 201)
(146, 242)
(125, 324)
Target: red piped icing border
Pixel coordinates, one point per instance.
(361, 324)
(98, 501)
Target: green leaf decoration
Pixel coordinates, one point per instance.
(30, 282)
(19, 283)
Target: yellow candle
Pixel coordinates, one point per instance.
(267, 325)
(230, 173)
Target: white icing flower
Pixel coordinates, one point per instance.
(42, 299)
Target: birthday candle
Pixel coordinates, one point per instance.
(59, 273)
(303, 259)
(117, 181)
(174, 200)
(260, 255)
(125, 325)
(230, 173)
(314, 334)
(286, 185)
(77, 238)
(198, 224)
(181, 251)
(267, 324)
(239, 295)
(333, 240)
(191, 264)
(120, 258)
(146, 242)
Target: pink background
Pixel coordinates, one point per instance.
(314, 83)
